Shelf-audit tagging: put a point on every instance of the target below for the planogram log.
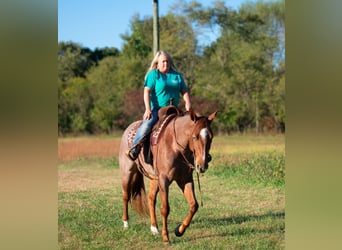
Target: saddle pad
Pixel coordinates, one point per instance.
(132, 132)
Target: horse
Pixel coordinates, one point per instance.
(182, 148)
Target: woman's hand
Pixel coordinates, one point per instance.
(147, 115)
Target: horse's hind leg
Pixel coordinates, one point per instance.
(152, 205)
(189, 193)
(126, 194)
(126, 181)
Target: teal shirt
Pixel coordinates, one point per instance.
(163, 87)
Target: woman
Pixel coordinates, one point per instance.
(162, 84)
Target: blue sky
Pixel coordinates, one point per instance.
(99, 23)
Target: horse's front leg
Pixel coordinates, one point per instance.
(152, 205)
(189, 193)
(165, 208)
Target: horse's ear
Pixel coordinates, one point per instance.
(193, 115)
(212, 116)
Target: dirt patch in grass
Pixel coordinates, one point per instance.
(87, 148)
(83, 180)
(81, 175)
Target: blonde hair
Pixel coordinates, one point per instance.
(154, 62)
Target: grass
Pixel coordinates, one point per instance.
(243, 193)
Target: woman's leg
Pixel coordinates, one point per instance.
(143, 130)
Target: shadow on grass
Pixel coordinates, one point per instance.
(241, 225)
(240, 219)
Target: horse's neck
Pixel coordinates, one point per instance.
(181, 129)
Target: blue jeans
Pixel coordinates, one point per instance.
(145, 127)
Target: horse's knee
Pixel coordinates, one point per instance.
(165, 210)
(194, 207)
(125, 196)
(151, 198)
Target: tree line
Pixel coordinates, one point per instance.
(241, 73)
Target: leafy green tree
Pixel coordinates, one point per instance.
(138, 44)
(75, 60)
(100, 53)
(271, 99)
(109, 82)
(71, 61)
(74, 102)
(105, 94)
(238, 70)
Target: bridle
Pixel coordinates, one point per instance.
(190, 140)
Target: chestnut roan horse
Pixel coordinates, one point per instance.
(182, 148)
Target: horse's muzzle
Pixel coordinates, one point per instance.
(202, 170)
(201, 167)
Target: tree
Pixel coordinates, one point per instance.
(100, 53)
(138, 44)
(75, 60)
(109, 82)
(71, 61)
(271, 45)
(105, 94)
(74, 102)
(241, 62)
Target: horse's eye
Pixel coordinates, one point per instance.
(194, 137)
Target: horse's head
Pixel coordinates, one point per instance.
(200, 140)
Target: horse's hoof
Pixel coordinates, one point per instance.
(154, 230)
(177, 233)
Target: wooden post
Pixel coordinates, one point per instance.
(155, 27)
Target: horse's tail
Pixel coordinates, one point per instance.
(138, 194)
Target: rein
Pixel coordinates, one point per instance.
(190, 165)
(199, 188)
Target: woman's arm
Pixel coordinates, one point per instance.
(148, 112)
(186, 98)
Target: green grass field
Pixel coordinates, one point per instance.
(243, 195)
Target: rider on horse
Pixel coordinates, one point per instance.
(162, 85)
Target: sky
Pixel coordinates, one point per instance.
(99, 23)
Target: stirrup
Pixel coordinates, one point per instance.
(133, 152)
